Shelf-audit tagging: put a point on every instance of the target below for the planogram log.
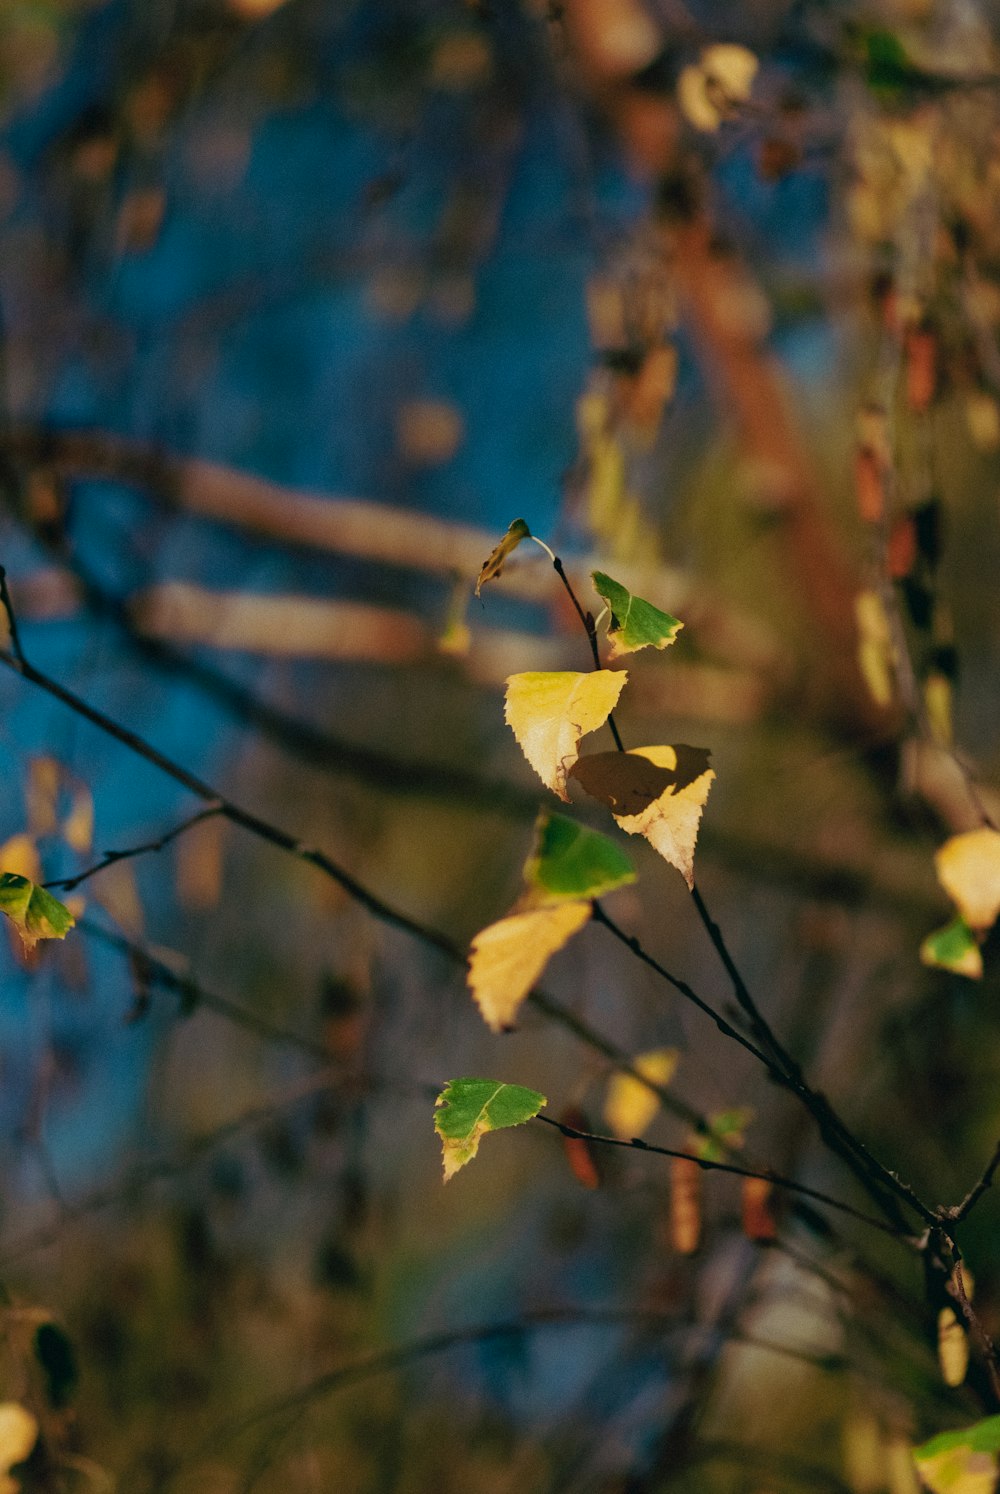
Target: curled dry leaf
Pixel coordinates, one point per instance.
(507, 957)
(494, 563)
(968, 868)
(757, 1209)
(685, 1205)
(581, 1154)
(549, 711)
(658, 792)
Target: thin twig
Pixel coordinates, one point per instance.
(193, 994)
(590, 629)
(724, 1026)
(961, 1211)
(882, 1185)
(957, 1289)
(256, 825)
(835, 1131)
(388, 1360)
(635, 1143)
(110, 858)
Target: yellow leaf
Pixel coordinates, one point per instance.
(863, 1452)
(968, 868)
(78, 826)
(953, 1348)
(938, 701)
(18, 1434)
(631, 1105)
(706, 90)
(549, 712)
(44, 779)
(658, 792)
(507, 957)
(876, 655)
(20, 855)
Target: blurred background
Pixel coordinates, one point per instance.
(302, 302)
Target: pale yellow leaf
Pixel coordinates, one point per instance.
(876, 655)
(631, 1105)
(953, 1348)
(44, 779)
(549, 712)
(18, 1434)
(864, 1452)
(968, 868)
(78, 826)
(658, 792)
(507, 957)
(707, 90)
(20, 855)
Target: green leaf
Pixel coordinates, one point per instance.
(495, 561)
(570, 861)
(634, 623)
(725, 1134)
(469, 1108)
(954, 948)
(35, 913)
(963, 1461)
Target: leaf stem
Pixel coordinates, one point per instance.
(589, 627)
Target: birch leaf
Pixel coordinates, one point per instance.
(570, 862)
(35, 913)
(467, 1109)
(507, 957)
(631, 1105)
(685, 1205)
(20, 855)
(963, 1461)
(18, 1435)
(549, 711)
(634, 623)
(497, 558)
(658, 792)
(954, 948)
(725, 1134)
(953, 1348)
(968, 868)
(876, 652)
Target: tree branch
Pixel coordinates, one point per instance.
(109, 858)
(636, 1144)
